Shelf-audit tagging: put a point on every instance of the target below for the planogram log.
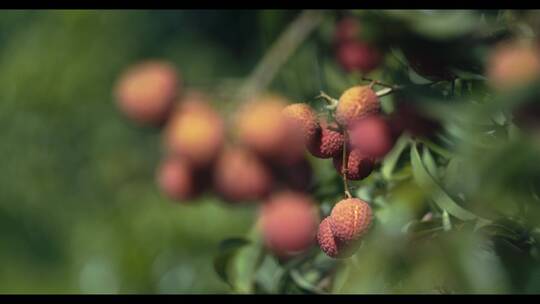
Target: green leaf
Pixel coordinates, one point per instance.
(429, 162)
(391, 159)
(303, 283)
(441, 198)
(227, 249)
(447, 224)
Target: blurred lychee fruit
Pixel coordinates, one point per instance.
(328, 143)
(289, 223)
(195, 132)
(302, 116)
(177, 180)
(347, 30)
(358, 56)
(350, 219)
(513, 64)
(146, 92)
(372, 136)
(262, 127)
(239, 175)
(356, 103)
(359, 165)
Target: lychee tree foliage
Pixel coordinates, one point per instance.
(421, 129)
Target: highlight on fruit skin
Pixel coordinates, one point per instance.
(328, 143)
(195, 132)
(302, 116)
(513, 64)
(358, 56)
(261, 127)
(372, 136)
(359, 165)
(350, 219)
(240, 176)
(177, 180)
(289, 223)
(356, 103)
(145, 92)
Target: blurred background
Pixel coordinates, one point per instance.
(80, 211)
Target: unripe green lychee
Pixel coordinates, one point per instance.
(262, 127)
(328, 143)
(513, 64)
(350, 219)
(359, 165)
(239, 175)
(356, 103)
(302, 116)
(195, 132)
(177, 180)
(289, 223)
(146, 92)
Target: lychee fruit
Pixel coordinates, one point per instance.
(302, 116)
(358, 56)
(328, 143)
(239, 175)
(356, 103)
(372, 136)
(146, 92)
(289, 223)
(195, 132)
(350, 219)
(177, 180)
(513, 64)
(262, 127)
(359, 165)
(347, 30)
(326, 239)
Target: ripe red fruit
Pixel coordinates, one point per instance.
(326, 239)
(328, 143)
(240, 176)
(347, 30)
(289, 223)
(358, 56)
(195, 132)
(177, 180)
(372, 136)
(302, 116)
(356, 103)
(359, 165)
(350, 219)
(146, 92)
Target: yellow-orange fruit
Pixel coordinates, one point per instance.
(240, 176)
(356, 103)
(302, 116)
(177, 180)
(289, 223)
(513, 64)
(359, 165)
(328, 143)
(196, 133)
(146, 92)
(350, 219)
(262, 127)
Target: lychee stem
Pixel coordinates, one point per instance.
(344, 165)
(332, 102)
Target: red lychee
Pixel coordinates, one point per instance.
(302, 116)
(372, 136)
(356, 103)
(146, 92)
(328, 143)
(350, 219)
(359, 165)
(358, 56)
(289, 223)
(177, 180)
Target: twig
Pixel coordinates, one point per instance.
(332, 102)
(344, 165)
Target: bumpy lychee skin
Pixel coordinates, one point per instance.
(146, 92)
(350, 219)
(303, 116)
(359, 165)
(372, 136)
(355, 104)
(358, 56)
(177, 180)
(513, 64)
(239, 176)
(328, 143)
(262, 127)
(196, 133)
(289, 223)
(327, 241)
